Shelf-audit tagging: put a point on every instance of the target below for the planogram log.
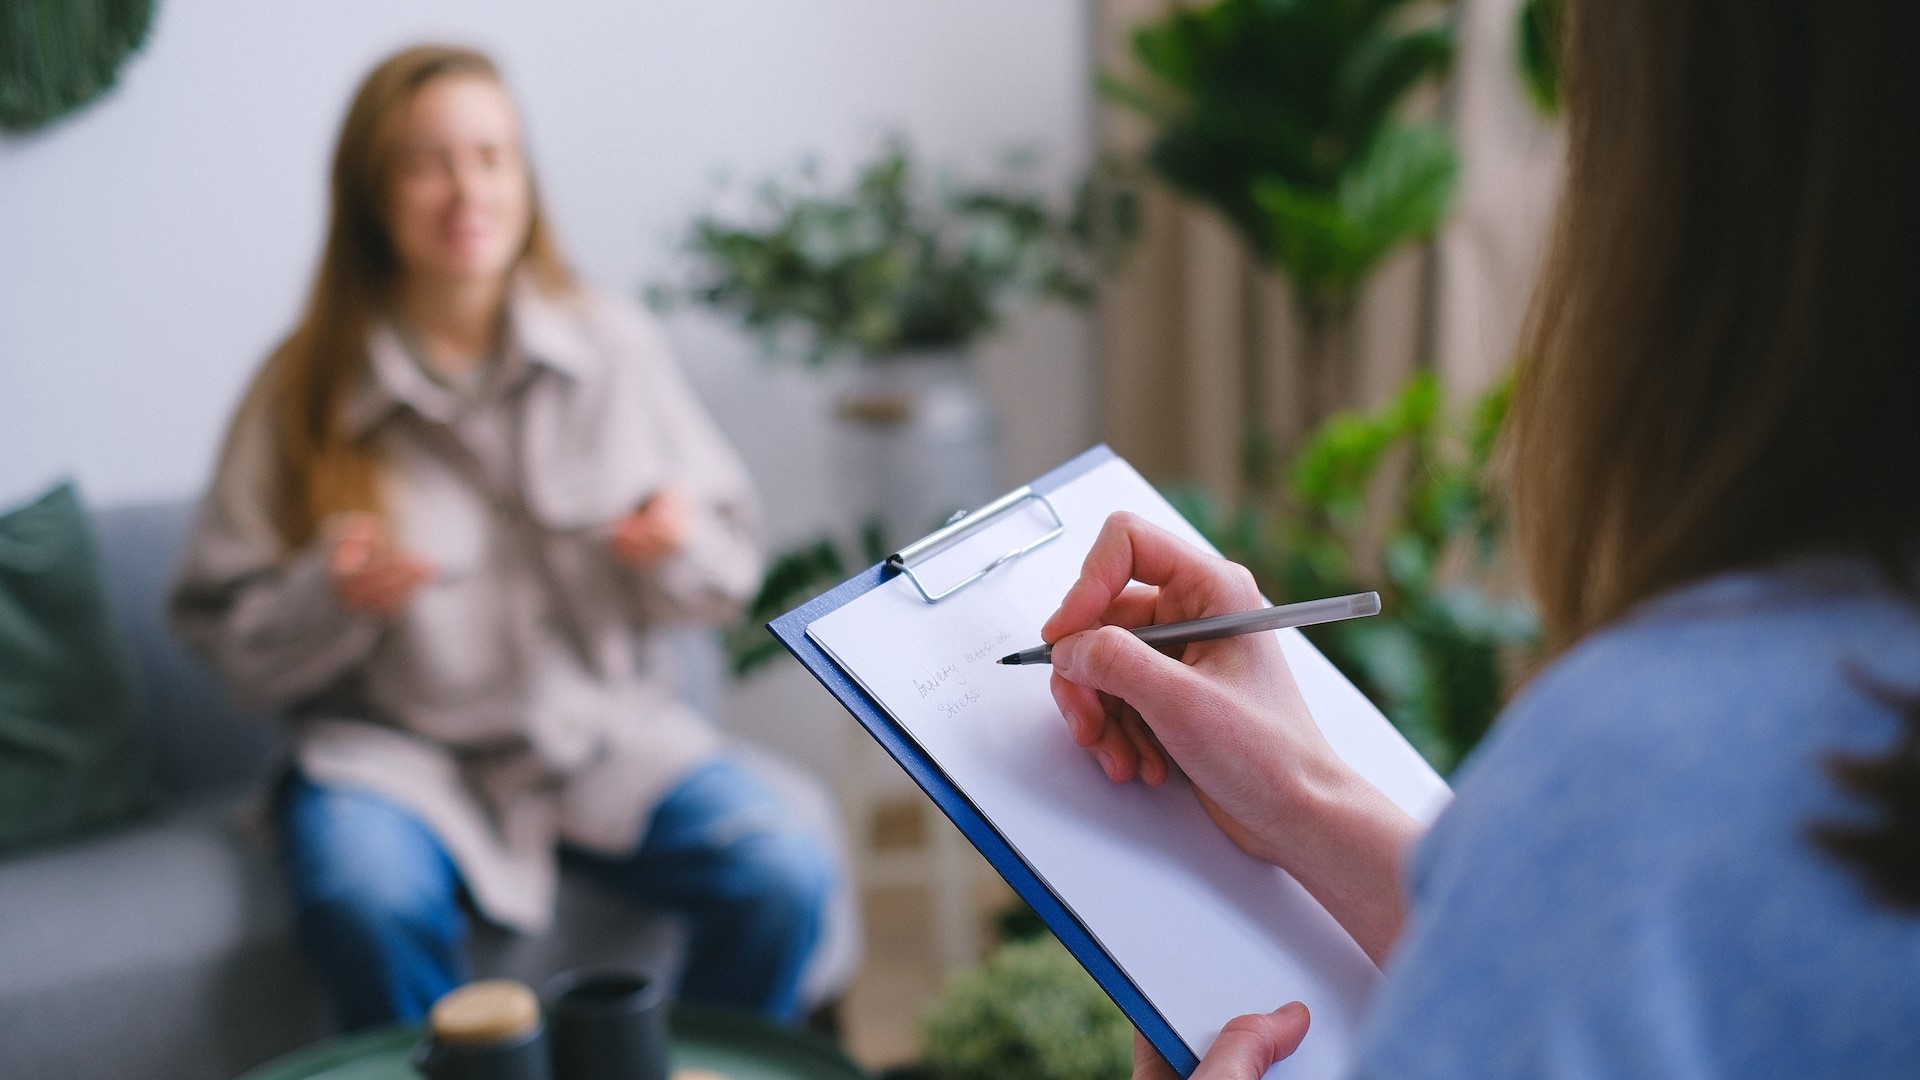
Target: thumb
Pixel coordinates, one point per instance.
(1249, 1044)
(1114, 661)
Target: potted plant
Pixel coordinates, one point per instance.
(1400, 500)
(890, 267)
(898, 275)
(1287, 118)
(893, 277)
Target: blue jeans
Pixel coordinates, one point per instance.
(378, 902)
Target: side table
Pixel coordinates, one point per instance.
(730, 1045)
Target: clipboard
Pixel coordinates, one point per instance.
(792, 631)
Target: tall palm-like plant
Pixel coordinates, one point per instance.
(1286, 116)
(1542, 25)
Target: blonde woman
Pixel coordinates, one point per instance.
(449, 511)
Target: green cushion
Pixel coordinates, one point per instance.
(74, 752)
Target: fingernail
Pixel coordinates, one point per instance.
(1063, 655)
(1292, 1009)
(1106, 762)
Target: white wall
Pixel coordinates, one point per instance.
(154, 246)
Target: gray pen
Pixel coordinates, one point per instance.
(1169, 635)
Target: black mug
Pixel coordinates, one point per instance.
(607, 1025)
(485, 1031)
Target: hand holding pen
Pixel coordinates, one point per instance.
(1226, 711)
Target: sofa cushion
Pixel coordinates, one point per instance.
(73, 752)
(200, 740)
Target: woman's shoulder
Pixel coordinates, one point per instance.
(1719, 702)
(1626, 871)
(1683, 748)
(1750, 655)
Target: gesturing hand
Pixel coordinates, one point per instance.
(655, 532)
(1244, 1050)
(370, 574)
(1226, 711)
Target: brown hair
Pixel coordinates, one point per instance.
(307, 383)
(1722, 355)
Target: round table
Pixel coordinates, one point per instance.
(732, 1045)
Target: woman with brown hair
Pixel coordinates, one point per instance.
(1691, 847)
(449, 513)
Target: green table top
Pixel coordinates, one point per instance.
(735, 1046)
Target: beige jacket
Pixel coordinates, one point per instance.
(515, 702)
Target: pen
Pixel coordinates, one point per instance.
(1168, 635)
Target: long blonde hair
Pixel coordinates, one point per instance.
(321, 468)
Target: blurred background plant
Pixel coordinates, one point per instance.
(1401, 501)
(57, 55)
(894, 263)
(902, 272)
(1030, 1012)
(1289, 118)
(1315, 129)
(1541, 27)
(794, 577)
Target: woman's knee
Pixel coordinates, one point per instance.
(354, 859)
(784, 874)
(376, 905)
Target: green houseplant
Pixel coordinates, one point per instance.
(1542, 24)
(1398, 500)
(901, 273)
(1290, 119)
(891, 264)
(1029, 1013)
(1286, 117)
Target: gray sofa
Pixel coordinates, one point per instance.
(163, 949)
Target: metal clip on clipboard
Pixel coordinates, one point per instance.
(959, 528)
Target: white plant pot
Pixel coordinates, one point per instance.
(919, 441)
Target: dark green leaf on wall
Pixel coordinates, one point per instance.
(57, 55)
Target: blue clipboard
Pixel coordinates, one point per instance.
(791, 629)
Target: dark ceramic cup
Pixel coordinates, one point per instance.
(607, 1025)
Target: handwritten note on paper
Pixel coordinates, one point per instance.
(1205, 931)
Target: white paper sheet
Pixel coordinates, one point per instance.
(1205, 931)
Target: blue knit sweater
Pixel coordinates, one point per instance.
(1624, 886)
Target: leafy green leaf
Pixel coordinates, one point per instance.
(1542, 27)
(1399, 192)
(1382, 72)
(890, 264)
(1029, 1013)
(1274, 109)
(1438, 657)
